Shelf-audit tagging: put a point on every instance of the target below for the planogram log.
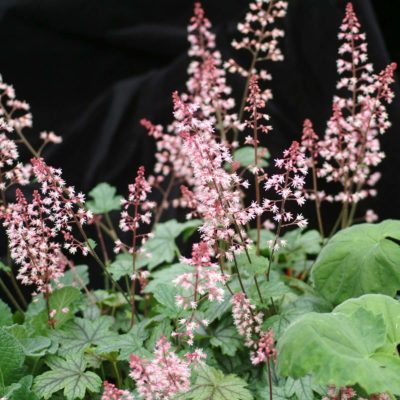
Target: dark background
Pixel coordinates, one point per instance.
(92, 68)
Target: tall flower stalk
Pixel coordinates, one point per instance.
(136, 211)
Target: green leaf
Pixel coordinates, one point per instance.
(359, 260)
(122, 266)
(340, 350)
(258, 264)
(126, 344)
(301, 388)
(62, 299)
(226, 337)
(80, 334)
(23, 390)
(293, 310)
(265, 237)
(212, 384)
(162, 246)
(273, 288)
(163, 328)
(166, 276)
(68, 374)
(5, 314)
(35, 347)
(384, 306)
(76, 277)
(245, 156)
(109, 298)
(11, 357)
(216, 310)
(104, 199)
(165, 295)
(305, 242)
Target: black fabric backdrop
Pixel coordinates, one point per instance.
(92, 68)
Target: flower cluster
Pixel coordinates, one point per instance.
(64, 206)
(113, 393)
(164, 376)
(265, 348)
(288, 186)
(248, 324)
(351, 148)
(11, 171)
(16, 112)
(207, 280)
(256, 101)
(207, 84)
(139, 204)
(217, 191)
(260, 35)
(170, 157)
(32, 244)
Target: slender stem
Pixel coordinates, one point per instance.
(97, 259)
(258, 288)
(10, 296)
(50, 320)
(239, 276)
(256, 180)
(269, 377)
(117, 374)
(278, 231)
(103, 250)
(11, 274)
(166, 194)
(317, 199)
(17, 289)
(221, 262)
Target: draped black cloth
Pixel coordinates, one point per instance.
(91, 69)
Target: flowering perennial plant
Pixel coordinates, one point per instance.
(261, 303)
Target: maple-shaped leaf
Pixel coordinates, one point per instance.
(69, 375)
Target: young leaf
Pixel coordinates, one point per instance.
(340, 350)
(68, 374)
(104, 199)
(79, 334)
(359, 260)
(212, 384)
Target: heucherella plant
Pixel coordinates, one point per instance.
(240, 300)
